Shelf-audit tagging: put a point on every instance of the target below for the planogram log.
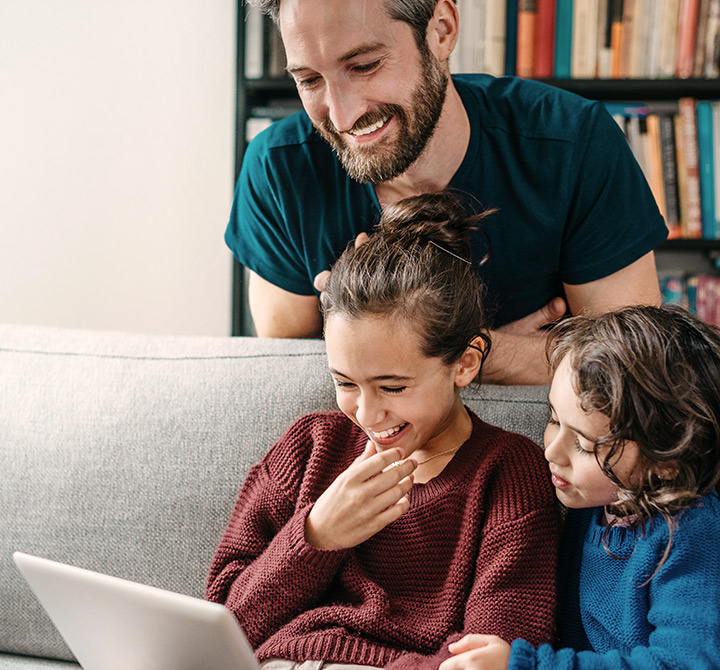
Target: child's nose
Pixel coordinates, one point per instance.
(369, 412)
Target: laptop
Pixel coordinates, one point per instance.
(114, 624)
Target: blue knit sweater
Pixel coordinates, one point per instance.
(609, 617)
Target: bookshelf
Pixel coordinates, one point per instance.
(262, 98)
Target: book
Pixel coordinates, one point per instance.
(715, 105)
(616, 35)
(511, 37)
(254, 42)
(652, 42)
(584, 39)
(712, 42)
(706, 169)
(495, 23)
(563, 38)
(544, 55)
(654, 160)
(667, 39)
(669, 172)
(627, 33)
(701, 38)
(604, 40)
(687, 30)
(637, 31)
(688, 168)
(526, 24)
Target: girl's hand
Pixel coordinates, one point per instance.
(368, 496)
(478, 652)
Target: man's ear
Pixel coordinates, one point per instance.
(469, 364)
(442, 30)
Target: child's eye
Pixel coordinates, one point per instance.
(342, 385)
(553, 422)
(579, 447)
(394, 389)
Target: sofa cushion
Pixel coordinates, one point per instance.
(124, 453)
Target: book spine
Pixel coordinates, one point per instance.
(701, 38)
(495, 21)
(604, 40)
(688, 126)
(706, 168)
(715, 105)
(712, 42)
(627, 33)
(563, 38)
(687, 28)
(526, 24)
(657, 185)
(544, 39)
(511, 37)
(616, 33)
(669, 172)
(667, 39)
(254, 42)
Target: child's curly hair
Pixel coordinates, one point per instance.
(655, 373)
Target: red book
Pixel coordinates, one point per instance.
(687, 34)
(544, 55)
(526, 24)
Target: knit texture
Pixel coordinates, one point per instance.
(476, 552)
(611, 619)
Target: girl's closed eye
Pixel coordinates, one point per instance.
(394, 389)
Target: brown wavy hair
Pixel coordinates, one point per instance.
(416, 265)
(655, 373)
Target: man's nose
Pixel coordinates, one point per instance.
(345, 105)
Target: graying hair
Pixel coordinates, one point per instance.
(416, 13)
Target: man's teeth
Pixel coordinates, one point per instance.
(369, 129)
(390, 432)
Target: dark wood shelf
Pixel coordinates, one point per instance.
(640, 89)
(690, 245)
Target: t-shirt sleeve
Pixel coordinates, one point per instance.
(260, 232)
(613, 218)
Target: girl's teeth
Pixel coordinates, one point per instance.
(390, 432)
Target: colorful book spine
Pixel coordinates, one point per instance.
(544, 39)
(688, 156)
(668, 149)
(687, 31)
(526, 26)
(563, 38)
(706, 168)
(616, 33)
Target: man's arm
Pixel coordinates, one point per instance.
(518, 351)
(279, 313)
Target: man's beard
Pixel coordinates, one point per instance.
(380, 163)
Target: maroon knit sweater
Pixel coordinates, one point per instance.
(475, 553)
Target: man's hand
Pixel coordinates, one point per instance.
(321, 278)
(533, 324)
(368, 496)
(478, 652)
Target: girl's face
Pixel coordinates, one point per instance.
(385, 384)
(569, 439)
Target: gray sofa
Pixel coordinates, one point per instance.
(123, 453)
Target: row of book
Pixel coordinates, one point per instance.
(587, 39)
(678, 147)
(700, 294)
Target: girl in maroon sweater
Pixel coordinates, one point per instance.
(380, 534)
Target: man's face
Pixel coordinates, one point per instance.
(367, 88)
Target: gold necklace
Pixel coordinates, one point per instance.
(442, 453)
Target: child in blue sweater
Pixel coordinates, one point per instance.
(633, 444)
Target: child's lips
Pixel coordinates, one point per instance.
(559, 482)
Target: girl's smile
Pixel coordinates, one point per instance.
(386, 385)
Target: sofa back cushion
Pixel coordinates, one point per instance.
(124, 453)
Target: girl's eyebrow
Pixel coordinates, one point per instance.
(377, 378)
(593, 440)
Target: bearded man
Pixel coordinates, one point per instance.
(576, 223)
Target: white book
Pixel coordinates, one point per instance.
(584, 42)
(712, 44)
(477, 54)
(604, 57)
(652, 44)
(495, 27)
(667, 38)
(254, 42)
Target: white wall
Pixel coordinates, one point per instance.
(116, 163)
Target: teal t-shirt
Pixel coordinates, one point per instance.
(573, 204)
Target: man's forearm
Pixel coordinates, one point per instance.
(516, 359)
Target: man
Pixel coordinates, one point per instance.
(576, 222)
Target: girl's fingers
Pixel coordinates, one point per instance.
(471, 641)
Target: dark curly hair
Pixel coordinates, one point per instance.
(655, 373)
(416, 266)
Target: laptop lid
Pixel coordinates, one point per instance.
(114, 624)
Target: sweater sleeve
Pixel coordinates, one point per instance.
(263, 570)
(683, 613)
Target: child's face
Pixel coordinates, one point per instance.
(387, 386)
(569, 439)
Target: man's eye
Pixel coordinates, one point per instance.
(366, 67)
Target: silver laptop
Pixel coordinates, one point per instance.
(114, 624)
